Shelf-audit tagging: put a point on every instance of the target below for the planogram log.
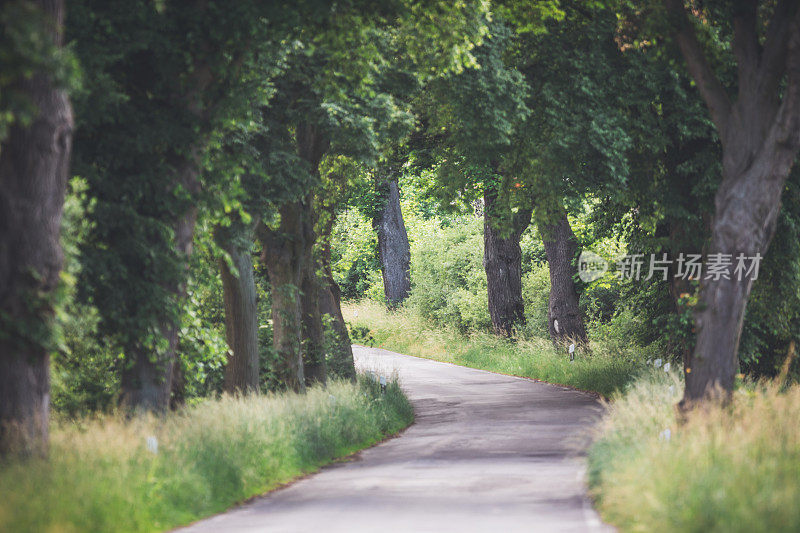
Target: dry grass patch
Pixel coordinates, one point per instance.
(147, 474)
(727, 469)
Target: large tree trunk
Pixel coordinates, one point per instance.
(760, 136)
(311, 147)
(288, 255)
(284, 254)
(340, 361)
(502, 261)
(313, 329)
(393, 248)
(563, 314)
(747, 207)
(34, 162)
(146, 380)
(241, 313)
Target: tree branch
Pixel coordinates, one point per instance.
(773, 60)
(745, 46)
(711, 89)
(788, 120)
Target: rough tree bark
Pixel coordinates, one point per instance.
(760, 136)
(311, 147)
(146, 379)
(284, 256)
(502, 261)
(393, 248)
(563, 314)
(298, 333)
(241, 312)
(34, 162)
(330, 303)
(316, 368)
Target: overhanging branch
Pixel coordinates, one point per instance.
(711, 89)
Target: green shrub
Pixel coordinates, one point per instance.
(354, 254)
(449, 283)
(536, 296)
(101, 475)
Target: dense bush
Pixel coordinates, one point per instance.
(448, 279)
(84, 368)
(535, 296)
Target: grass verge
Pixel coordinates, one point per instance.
(107, 474)
(601, 371)
(726, 469)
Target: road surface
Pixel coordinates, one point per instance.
(487, 452)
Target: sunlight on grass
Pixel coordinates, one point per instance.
(145, 474)
(404, 331)
(726, 469)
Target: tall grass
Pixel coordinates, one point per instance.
(726, 469)
(603, 370)
(107, 474)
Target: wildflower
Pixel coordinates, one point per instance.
(667, 367)
(657, 363)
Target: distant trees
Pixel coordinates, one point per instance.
(472, 117)
(536, 128)
(35, 145)
(163, 78)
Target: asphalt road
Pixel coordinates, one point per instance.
(487, 453)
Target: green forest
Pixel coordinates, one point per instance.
(204, 205)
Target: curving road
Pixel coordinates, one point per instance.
(487, 452)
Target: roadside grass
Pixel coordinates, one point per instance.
(105, 474)
(725, 469)
(604, 370)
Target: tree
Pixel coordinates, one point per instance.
(330, 101)
(547, 130)
(394, 251)
(502, 260)
(164, 77)
(34, 162)
(472, 118)
(574, 143)
(565, 321)
(239, 294)
(760, 136)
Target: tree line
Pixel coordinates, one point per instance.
(257, 122)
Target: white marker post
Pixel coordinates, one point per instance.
(572, 352)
